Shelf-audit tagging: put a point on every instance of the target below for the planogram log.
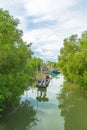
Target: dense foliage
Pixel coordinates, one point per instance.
(72, 60)
(17, 67)
(52, 65)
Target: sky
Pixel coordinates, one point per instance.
(46, 23)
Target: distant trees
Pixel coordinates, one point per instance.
(73, 59)
(52, 65)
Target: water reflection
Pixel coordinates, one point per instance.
(73, 105)
(41, 94)
(22, 118)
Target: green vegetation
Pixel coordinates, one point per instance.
(73, 60)
(52, 65)
(17, 64)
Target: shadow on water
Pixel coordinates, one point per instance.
(73, 106)
(41, 94)
(22, 118)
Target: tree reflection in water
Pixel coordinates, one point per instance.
(41, 94)
(73, 105)
(22, 118)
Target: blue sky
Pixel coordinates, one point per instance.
(46, 23)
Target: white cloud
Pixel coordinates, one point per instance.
(41, 8)
(44, 38)
(42, 18)
(65, 15)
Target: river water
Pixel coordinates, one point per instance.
(59, 107)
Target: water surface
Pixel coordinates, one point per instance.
(60, 107)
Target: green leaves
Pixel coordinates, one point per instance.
(73, 59)
(16, 65)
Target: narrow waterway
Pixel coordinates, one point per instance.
(45, 102)
(59, 107)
